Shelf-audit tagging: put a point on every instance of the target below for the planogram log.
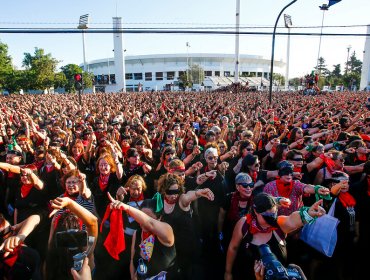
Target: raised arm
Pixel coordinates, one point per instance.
(160, 229)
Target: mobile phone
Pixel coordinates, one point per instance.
(196, 125)
(71, 239)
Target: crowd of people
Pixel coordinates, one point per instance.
(181, 185)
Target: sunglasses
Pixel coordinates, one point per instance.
(212, 158)
(170, 136)
(250, 149)
(249, 185)
(296, 159)
(172, 192)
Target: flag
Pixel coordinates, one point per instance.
(332, 2)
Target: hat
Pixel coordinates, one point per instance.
(99, 121)
(242, 178)
(204, 119)
(15, 152)
(87, 131)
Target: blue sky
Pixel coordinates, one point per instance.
(190, 13)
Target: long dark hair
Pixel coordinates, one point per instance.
(60, 260)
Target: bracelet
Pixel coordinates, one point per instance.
(305, 217)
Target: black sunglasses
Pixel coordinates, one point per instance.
(249, 185)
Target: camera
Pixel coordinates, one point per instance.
(274, 270)
(71, 239)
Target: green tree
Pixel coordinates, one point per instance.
(321, 67)
(42, 68)
(278, 79)
(354, 64)
(6, 67)
(196, 74)
(295, 82)
(69, 71)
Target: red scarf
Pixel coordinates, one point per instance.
(145, 235)
(347, 199)
(328, 162)
(25, 190)
(253, 175)
(284, 190)
(103, 182)
(49, 168)
(140, 198)
(297, 169)
(254, 227)
(77, 158)
(12, 258)
(115, 241)
(233, 214)
(170, 202)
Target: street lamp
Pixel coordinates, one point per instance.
(273, 49)
(288, 24)
(84, 21)
(348, 50)
(237, 24)
(187, 61)
(323, 8)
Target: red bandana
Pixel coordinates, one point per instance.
(328, 162)
(169, 202)
(49, 168)
(347, 199)
(233, 214)
(140, 198)
(115, 241)
(12, 258)
(145, 234)
(254, 227)
(25, 190)
(284, 190)
(103, 182)
(297, 169)
(253, 175)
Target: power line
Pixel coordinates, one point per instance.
(163, 31)
(201, 25)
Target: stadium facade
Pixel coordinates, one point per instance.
(162, 71)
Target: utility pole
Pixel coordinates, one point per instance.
(348, 50)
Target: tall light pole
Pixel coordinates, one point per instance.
(83, 22)
(288, 24)
(187, 61)
(237, 24)
(323, 8)
(273, 49)
(348, 50)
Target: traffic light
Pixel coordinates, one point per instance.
(78, 81)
